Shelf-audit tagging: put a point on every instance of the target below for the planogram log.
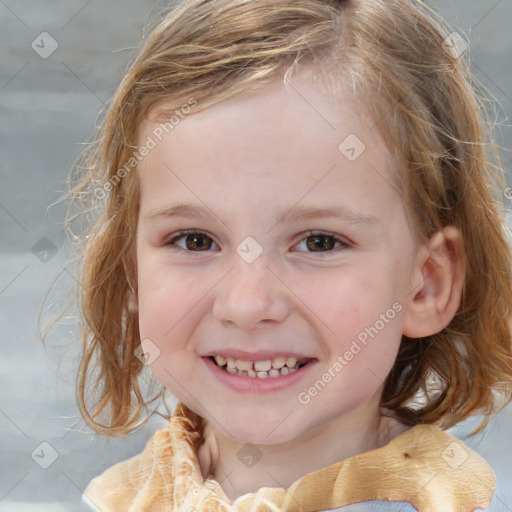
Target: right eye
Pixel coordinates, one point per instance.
(193, 241)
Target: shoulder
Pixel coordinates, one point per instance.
(148, 480)
(424, 467)
(120, 486)
(430, 469)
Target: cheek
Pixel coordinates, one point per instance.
(353, 301)
(166, 298)
(365, 316)
(169, 308)
(382, 344)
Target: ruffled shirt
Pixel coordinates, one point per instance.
(424, 468)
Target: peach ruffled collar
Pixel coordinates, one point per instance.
(424, 466)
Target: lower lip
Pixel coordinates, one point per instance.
(256, 384)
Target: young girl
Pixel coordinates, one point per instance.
(295, 230)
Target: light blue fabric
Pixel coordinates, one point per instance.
(497, 505)
(369, 506)
(392, 506)
(376, 506)
(84, 507)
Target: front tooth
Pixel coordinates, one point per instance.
(291, 362)
(231, 362)
(263, 366)
(278, 362)
(244, 365)
(220, 360)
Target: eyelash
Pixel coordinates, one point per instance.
(171, 243)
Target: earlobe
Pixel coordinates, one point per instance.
(439, 275)
(133, 303)
(131, 296)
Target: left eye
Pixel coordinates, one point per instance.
(322, 242)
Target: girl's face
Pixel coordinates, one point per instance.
(296, 244)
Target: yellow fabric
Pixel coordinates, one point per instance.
(430, 469)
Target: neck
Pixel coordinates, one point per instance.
(281, 465)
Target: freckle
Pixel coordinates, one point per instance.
(406, 455)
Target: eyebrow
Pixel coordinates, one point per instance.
(191, 211)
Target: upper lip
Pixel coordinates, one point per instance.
(260, 355)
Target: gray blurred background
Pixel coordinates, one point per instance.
(60, 63)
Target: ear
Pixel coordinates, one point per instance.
(130, 268)
(438, 277)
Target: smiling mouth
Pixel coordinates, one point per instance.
(259, 369)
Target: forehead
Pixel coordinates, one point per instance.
(320, 98)
(296, 136)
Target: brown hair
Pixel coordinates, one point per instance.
(394, 55)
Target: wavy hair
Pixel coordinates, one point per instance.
(394, 55)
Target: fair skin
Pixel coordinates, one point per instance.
(248, 161)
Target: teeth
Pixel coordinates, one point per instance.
(263, 366)
(244, 365)
(259, 366)
(261, 369)
(220, 360)
(278, 362)
(291, 362)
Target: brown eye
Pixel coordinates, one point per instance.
(323, 242)
(195, 241)
(200, 242)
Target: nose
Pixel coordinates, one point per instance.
(251, 296)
